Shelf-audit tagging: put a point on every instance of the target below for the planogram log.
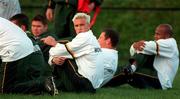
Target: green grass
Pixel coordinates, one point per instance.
(121, 92)
(133, 26)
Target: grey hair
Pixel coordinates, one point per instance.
(82, 15)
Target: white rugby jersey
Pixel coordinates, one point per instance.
(14, 43)
(110, 63)
(166, 61)
(9, 8)
(85, 49)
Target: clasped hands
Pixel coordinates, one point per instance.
(139, 45)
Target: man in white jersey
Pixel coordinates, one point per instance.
(17, 71)
(9, 8)
(86, 72)
(108, 41)
(153, 64)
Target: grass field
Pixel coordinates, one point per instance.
(133, 26)
(121, 92)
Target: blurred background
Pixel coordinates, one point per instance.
(134, 19)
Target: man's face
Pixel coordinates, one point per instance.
(102, 40)
(160, 33)
(80, 25)
(38, 28)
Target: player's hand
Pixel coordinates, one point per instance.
(49, 14)
(49, 41)
(139, 45)
(58, 60)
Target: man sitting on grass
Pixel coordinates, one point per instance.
(154, 64)
(108, 41)
(81, 71)
(18, 71)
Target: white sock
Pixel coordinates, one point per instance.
(133, 67)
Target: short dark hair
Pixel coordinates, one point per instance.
(167, 28)
(40, 18)
(21, 19)
(113, 35)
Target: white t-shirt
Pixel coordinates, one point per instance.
(110, 63)
(85, 49)
(14, 43)
(9, 8)
(166, 61)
